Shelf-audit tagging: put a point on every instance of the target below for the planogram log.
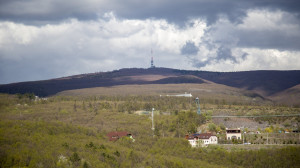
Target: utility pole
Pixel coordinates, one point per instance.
(198, 105)
(153, 121)
(243, 137)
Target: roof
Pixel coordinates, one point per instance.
(233, 131)
(205, 135)
(233, 128)
(113, 136)
(200, 136)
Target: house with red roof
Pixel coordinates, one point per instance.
(113, 136)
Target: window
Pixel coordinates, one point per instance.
(228, 138)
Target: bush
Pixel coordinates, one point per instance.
(75, 158)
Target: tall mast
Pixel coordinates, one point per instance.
(152, 63)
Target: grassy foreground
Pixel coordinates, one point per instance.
(71, 132)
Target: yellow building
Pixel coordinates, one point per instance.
(234, 133)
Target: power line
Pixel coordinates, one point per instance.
(256, 116)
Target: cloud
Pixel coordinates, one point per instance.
(263, 30)
(269, 29)
(224, 53)
(45, 11)
(189, 48)
(174, 11)
(73, 46)
(56, 40)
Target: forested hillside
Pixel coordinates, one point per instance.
(64, 131)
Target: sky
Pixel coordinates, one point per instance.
(45, 39)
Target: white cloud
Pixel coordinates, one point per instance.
(74, 46)
(269, 59)
(263, 40)
(260, 20)
(258, 59)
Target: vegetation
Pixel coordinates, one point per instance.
(67, 131)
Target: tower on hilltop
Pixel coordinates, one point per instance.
(152, 63)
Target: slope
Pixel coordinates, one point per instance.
(265, 83)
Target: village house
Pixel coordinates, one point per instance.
(204, 139)
(113, 136)
(234, 133)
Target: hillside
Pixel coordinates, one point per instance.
(207, 92)
(70, 131)
(264, 83)
(69, 128)
(289, 96)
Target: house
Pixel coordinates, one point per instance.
(113, 136)
(203, 139)
(234, 133)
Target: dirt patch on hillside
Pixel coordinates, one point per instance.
(239, 123)
(147, 78)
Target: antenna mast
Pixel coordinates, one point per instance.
(198, 105)
(152, 64)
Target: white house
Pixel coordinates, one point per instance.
(203, 139)
(234, 133)
(195, 142)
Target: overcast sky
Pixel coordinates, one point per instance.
(43, 39)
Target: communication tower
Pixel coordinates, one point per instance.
(198, 105)
(152, 64)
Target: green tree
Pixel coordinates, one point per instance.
(75, 106)
(75, 159)
(212, 127)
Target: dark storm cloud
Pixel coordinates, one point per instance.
(269, 40)
(175, 11)
(200, 64)
(41, 12)
(189, 48)
(48, 11)
(178, 11)
(224, 53)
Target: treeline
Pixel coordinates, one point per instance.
(163, 105)
(134, 102)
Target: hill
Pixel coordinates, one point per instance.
(69, 129)
(289, 96)
(264, 83)
(207, 92)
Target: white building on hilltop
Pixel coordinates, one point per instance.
(179, 95)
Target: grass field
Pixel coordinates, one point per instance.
(206, 91)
